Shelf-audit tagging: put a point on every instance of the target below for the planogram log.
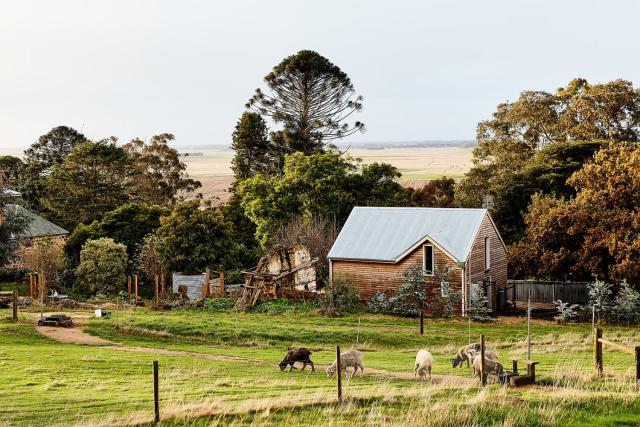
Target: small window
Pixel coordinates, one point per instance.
(428, 260)
(487, 253)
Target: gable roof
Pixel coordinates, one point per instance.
(7, 192)
(38, 226)
(388, 234)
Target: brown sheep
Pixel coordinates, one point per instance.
(297, 355)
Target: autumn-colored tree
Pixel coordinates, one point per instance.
(597, 232)
(44, 255)
(543, 130)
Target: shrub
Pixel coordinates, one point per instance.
(445, 300)
(218, 304)
(13, 274)
(566, 312)
(103, 265)
(378, 303)
(284, 306)
(408, 300)
(479, 310)
(627, 304)
(339, 297)
(600, 298)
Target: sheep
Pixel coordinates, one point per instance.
(351, 358)
(424, 362)
(488, 354)
(464, 354)
(297, 355)
(491, 366)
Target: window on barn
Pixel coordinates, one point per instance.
(428, 260)
(487, 253)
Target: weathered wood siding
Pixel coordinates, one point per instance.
(498, 265)
(372, 277)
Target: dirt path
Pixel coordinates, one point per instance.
(71, 335)
(76, 335)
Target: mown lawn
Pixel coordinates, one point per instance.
(49, 383)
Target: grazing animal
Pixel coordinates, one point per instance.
(297, 355)
(464, 353)
(424, 362)
(491, 366)
(488, 354)
(351, 358)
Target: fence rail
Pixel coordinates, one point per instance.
(548, 292)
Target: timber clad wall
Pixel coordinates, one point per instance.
(498, 264)
(373, 277)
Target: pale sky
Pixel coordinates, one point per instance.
(427, 69)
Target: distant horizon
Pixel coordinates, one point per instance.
(19, 151)
(137, 68)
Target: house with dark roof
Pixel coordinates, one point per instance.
(38, 227)
(459, 246)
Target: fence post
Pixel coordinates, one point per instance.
(222, 291)
(638, 363)
(15, 305)
(156, 394)
(421, 323)
(339, 368)
(597, 351)
(129, 289)
(135, 280)
(483, 378)
(156, 288)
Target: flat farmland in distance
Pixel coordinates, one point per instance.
(417, 165)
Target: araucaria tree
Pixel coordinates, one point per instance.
(312, 98)
(11, 227)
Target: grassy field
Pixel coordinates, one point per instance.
(417, 165)
(220, 368)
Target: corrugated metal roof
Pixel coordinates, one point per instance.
(38, 226)
(386, 234)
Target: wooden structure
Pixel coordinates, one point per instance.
(376, 245)
(599, 343)
(519, 380)
(14, 303)
(282, 268)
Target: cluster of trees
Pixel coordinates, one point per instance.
(562, 169)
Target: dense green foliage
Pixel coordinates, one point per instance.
(128, 224)
(254, 152)
(50, 150)
(324, 184)
(89, 183)
(158, 176)
(339, 297)
(437, 193)
(193, 238)
(102, 268)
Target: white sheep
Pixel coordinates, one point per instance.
(351, 358)
(424, 362)
(465, 353)
(491, 366)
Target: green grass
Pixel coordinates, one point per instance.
(14, 286)
(48, 383)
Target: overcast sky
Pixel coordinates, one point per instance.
(427, 69)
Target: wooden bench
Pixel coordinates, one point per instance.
(519, 380)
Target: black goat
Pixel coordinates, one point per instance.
(297, 355)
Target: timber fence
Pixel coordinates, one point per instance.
(549, 291)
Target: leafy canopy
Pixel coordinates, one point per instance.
(102, 268)
(323, 184)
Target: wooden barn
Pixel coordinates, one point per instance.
(377, 244)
